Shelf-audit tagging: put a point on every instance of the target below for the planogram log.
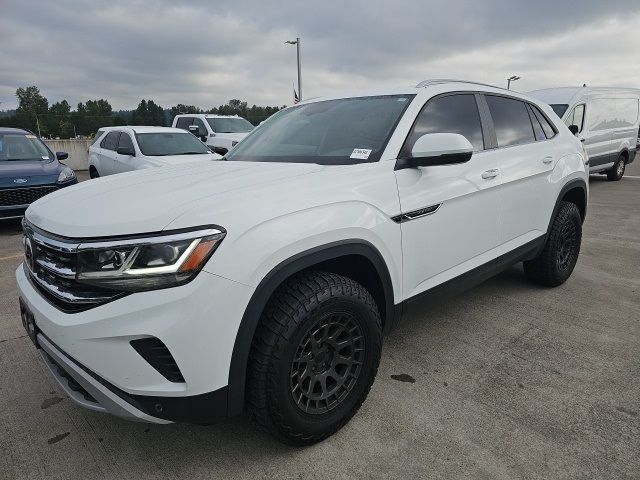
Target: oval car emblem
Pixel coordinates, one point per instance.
(20, 180)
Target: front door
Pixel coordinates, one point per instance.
(450, 212)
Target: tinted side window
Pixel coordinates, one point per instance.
(548, 128)
(448, 114)
(200, 124)
(511, 121)
(537, 128)
(576, 117)
(183, 122)
(125, 141)
(110, 142)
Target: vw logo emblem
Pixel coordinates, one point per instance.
(28, 253)
(20, 180)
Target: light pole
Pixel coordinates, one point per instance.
(512, 78)
(296, 42)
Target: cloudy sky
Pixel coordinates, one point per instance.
(207, 52)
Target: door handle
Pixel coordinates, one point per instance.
(490, 173)
(547, 159)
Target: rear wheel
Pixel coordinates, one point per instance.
(93, 173)
(314, 357)
(558, 258)
(617, 171)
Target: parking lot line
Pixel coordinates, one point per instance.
(10, 257)
(631, 176)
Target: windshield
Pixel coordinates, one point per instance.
(21, 147)
(559, 108)
(332, 132)
(230, 125)
(161, 144)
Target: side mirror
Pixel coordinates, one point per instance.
(62, 155)
(434, 149)
(574, 129)
(126, 151)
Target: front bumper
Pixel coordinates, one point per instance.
(197, 322)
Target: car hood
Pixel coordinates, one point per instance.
(182, 159)
(34, 172)
(149, 200)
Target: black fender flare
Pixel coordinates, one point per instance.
(570, 185)
(264, 290)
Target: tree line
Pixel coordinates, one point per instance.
(58, 120)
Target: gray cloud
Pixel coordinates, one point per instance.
(206, 52)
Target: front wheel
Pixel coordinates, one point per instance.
(314, 357)
(558, 258)
(617, 171)
(93, 172)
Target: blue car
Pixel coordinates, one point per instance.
(28, 171)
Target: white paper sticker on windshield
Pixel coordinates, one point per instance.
(45, 157)
(29, 136)
(360, 153)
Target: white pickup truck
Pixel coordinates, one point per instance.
(221, 132)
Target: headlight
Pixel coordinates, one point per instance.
(66, 174)
(147, 263)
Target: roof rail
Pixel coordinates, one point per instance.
(435, 81)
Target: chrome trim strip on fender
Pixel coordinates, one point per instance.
(413, 214)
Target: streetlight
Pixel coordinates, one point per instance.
(513, 78)
(296, 42)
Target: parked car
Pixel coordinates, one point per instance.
(123, 149)
(221, 132)
(605, 119)
(265, 282)
(28, 171)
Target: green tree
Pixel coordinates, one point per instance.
(65, 129)
(148, 113)
(31, 104)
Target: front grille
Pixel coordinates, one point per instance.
(51, 263)
(23, 196)
(159, 357)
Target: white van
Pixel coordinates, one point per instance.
(221, 132)
(605, 119)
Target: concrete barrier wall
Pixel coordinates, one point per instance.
(77, 150)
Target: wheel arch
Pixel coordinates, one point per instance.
(574, 191)
(353, 258)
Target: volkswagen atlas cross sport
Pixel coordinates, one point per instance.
(264, 282)
(28, 171)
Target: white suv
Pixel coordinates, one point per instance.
(220, 132)
(123, 149)
(265, 282)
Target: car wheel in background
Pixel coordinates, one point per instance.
(93, 173)
(314, 357)
(617, 171)
(560, 253)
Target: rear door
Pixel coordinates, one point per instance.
(526, 154)
(124, 163)
(450, 213)
(107, 154)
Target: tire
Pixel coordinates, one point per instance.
(617, 171)
(93, 173)
(317, 325)
(560, 253)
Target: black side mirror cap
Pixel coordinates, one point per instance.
(574, 129)
(62, 155)
(436, 160)
(126, 151)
